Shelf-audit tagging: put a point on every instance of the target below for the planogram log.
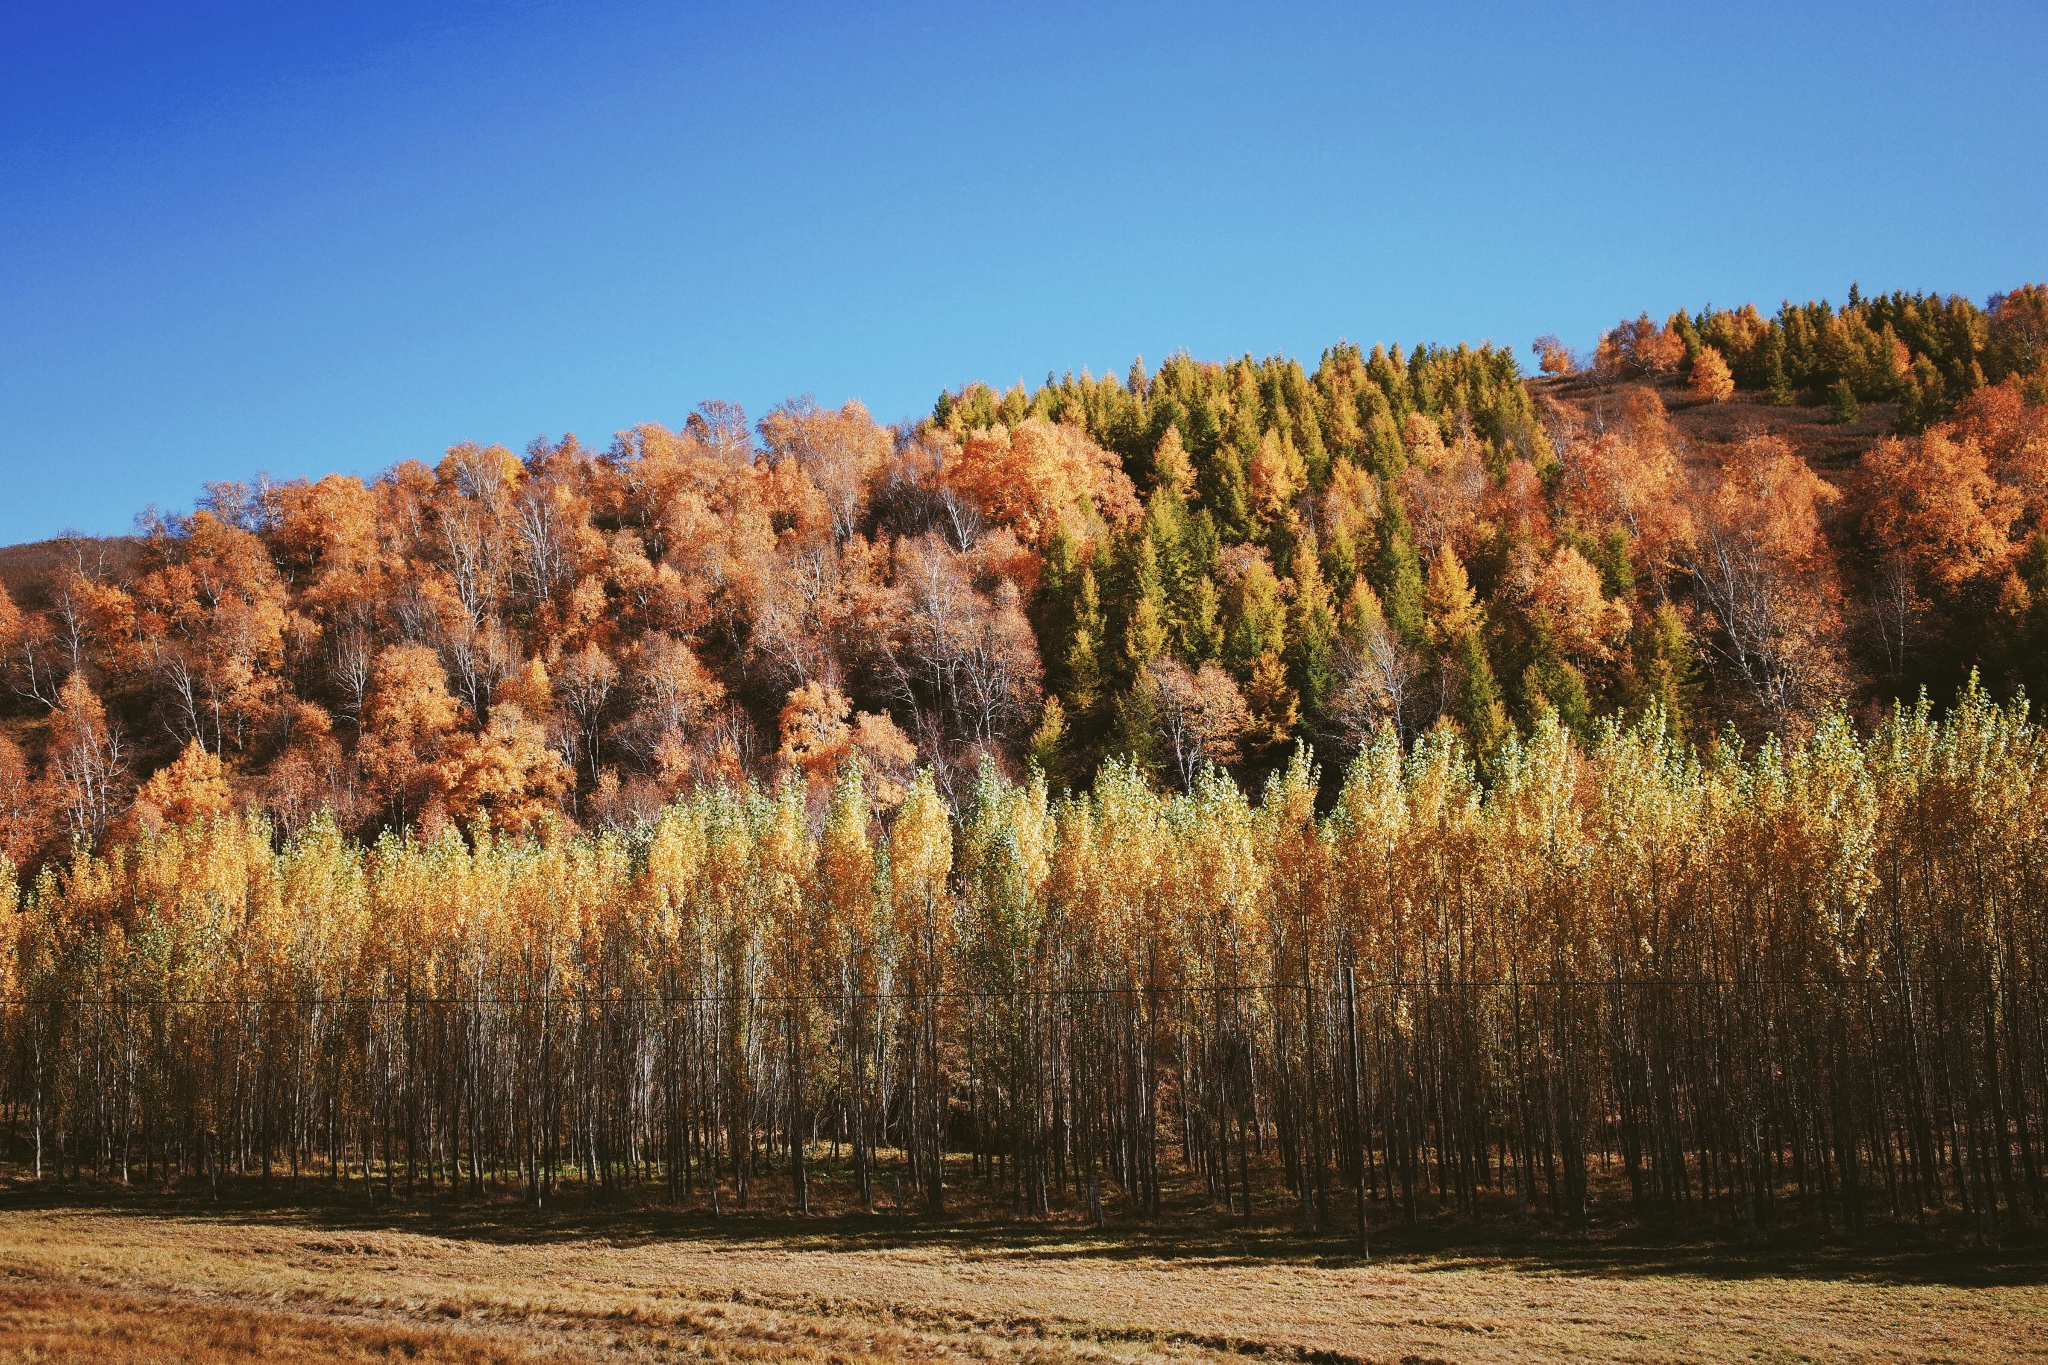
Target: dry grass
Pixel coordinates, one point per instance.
(45, 1322)
(113, 1284)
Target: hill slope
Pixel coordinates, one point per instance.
(1207, 564)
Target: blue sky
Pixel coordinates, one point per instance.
(298, 238)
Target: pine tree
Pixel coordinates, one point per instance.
(1384, 448)
(1144, 623)
(1311, 630)
(1775, 379)
(1711, 378)
(1273, 705)
(1166, 526)
(1479, 705)
(1257, 623)
(1084, 652)
(1397, 575)
(1201, 624)
(1666, 667)
(1047, 750)
(1226, 495)
(1059, 584)
(1842, 406)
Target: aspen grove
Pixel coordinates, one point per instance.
(1802, 986)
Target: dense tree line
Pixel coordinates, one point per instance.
(1804, 987)
(1925, 352)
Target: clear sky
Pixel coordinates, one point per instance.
(305, 237)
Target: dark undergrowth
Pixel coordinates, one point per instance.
(1619, 1238)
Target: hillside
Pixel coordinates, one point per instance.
(28, 572)
(1206, 565)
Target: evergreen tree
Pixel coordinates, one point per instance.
(1775, 378)
(1166, 526)
(1059, 585)
(1226, 495)
(1842, 401)
(1311, 630)
(1397, 576)
(1144, 614)
(1136, 736)
(1201, 625)
(1385, 451)
(1257, 623)
(1047, 750)
(1084, 652)
(1663, 670)
(1479, 706)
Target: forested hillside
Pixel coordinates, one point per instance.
(1736, 520)
(1394, 788)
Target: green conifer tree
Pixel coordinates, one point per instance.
(1397, 576)
(1201, 626)
(1145, 623)
(1226, 495)
(1775, 378)
(1842, 406)
(1311, 630)
(1257, 621)
(1084, 652)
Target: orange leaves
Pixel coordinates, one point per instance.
(1711, 380)
(1277, 474)
(22, 817)
(585, 685)
(1586, 626)
(409, 716)
(325, 532)
(815, 736)
(818, 741)
(409, 701)
(1553, 356)
(310, 775)
(482, 474)
(1765, 576)
(1451, 611)
(1038, 477)
(839, 452)
(1625, 476)
(1443, 488)
(2019, 330)
(2013, 434)
(1934, 501)
(423, 641)
(1273, 706)
(210, 625)
(1766, 489)
(193, 788)
(960, 654)
(87, 763)
(1640, 349)
(674, 693)
(507, 772)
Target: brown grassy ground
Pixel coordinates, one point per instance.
(114, 1282)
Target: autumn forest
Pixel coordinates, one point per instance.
(1435, 782)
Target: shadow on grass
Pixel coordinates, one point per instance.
(976, 1226)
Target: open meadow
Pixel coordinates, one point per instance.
(112, 1278)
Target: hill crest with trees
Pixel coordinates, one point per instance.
(1732, 519)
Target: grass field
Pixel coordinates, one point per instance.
(117, 1279)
